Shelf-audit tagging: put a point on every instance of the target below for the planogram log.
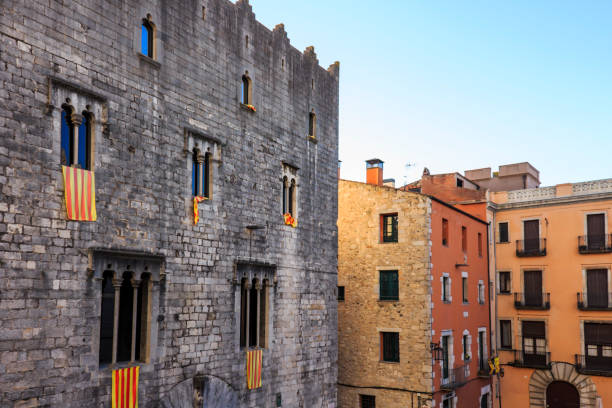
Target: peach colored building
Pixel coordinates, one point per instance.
(553, 257)
(413, 313)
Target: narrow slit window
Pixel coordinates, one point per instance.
(312, 124)
(292, 198)
(246, 90)
(285, 194)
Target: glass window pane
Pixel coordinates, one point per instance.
(66, 143)
(144, 40)
(83, 143)
(592, 350)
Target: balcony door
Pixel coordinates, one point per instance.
(445, 360)
(534, 343)
(598, 344)
(481, 351)
(533, 288)
(597, 288)
(561, 394)
(596, 231)
(531, 235)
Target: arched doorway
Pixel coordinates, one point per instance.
(561, 394)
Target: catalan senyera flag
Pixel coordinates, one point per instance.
(125, 387)
(80, 194)
(196, 213)
(253, 368)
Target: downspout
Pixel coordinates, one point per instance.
(495, 304)
(489, 292)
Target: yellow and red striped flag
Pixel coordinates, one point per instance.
(80, 194)
(125, 388)
(196, 212)
(253, 368)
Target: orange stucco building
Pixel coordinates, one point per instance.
(553, 256)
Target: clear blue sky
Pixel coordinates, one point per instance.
(456, 85)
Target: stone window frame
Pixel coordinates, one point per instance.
(261, 276)
(63, 94)
(481, 292)
(464, 288)
(451, 355)
(151, 19)
(207, 148)
(509, 272)
(500, 337)
(466, 335)
(312, 124)
(144, 267)
(148, 24)
(485, 347)
(290, 190)
(394, 237)
(446, 291)
(381, 334)
(246, 90)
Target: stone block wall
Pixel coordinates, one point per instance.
(362, 316)
(148, 113)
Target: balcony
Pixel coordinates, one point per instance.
(595, 244)
(531, 360)
(531, 302)
(457, 377)
(586, 302)
(594, 365)
(530, 247)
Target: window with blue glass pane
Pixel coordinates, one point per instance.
(146, 40)
(67, 132)
(194, 173)
(84, 142)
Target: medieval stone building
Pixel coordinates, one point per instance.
(164, 102)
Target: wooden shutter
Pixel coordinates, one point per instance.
(503, 232)
(534, 329)
(390, 347)
(596, 231)
(597, 287)
(389, 287)
(532, 235)
(533, 288)
(597, 333)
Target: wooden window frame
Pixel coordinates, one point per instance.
(394, 236)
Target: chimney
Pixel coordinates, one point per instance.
(374, 172)
(389, 182)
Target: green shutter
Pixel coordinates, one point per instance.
(389, 286)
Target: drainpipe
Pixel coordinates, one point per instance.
(495, 304)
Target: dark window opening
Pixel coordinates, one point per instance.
(596, 231)
(445, 359)
(464, 283)
(504, 282)
(389, 228)
(597, 288)
(246, 90)
(84, 143)
(503, 232)
(367, 401)
(505, 328)
(481, 351)
(253, 313)
(531, 236)
(444, 231)
(533, 288)
(534, 343)
(67, 138)
(480, 244)
(466, 348)
(598, 346)
(285, 192)
(195, 173)
(389, 285)
(464, 239)
(459, 183)
(292, 198)
(390, 347)
(106, 319)
(341, 293)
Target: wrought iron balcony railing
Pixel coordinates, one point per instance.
(531, 247)
(537, 302)
(594, 301)
(594, 365)
(595, 244)
(457, 377)
(536, 359)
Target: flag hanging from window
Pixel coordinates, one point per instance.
(253, 368)
(196, 213)
(80, 194)
(125, 388)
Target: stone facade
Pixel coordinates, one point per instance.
(362, 315)
(148, 115)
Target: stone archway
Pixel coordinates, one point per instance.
(540, 379)
(201, 391)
